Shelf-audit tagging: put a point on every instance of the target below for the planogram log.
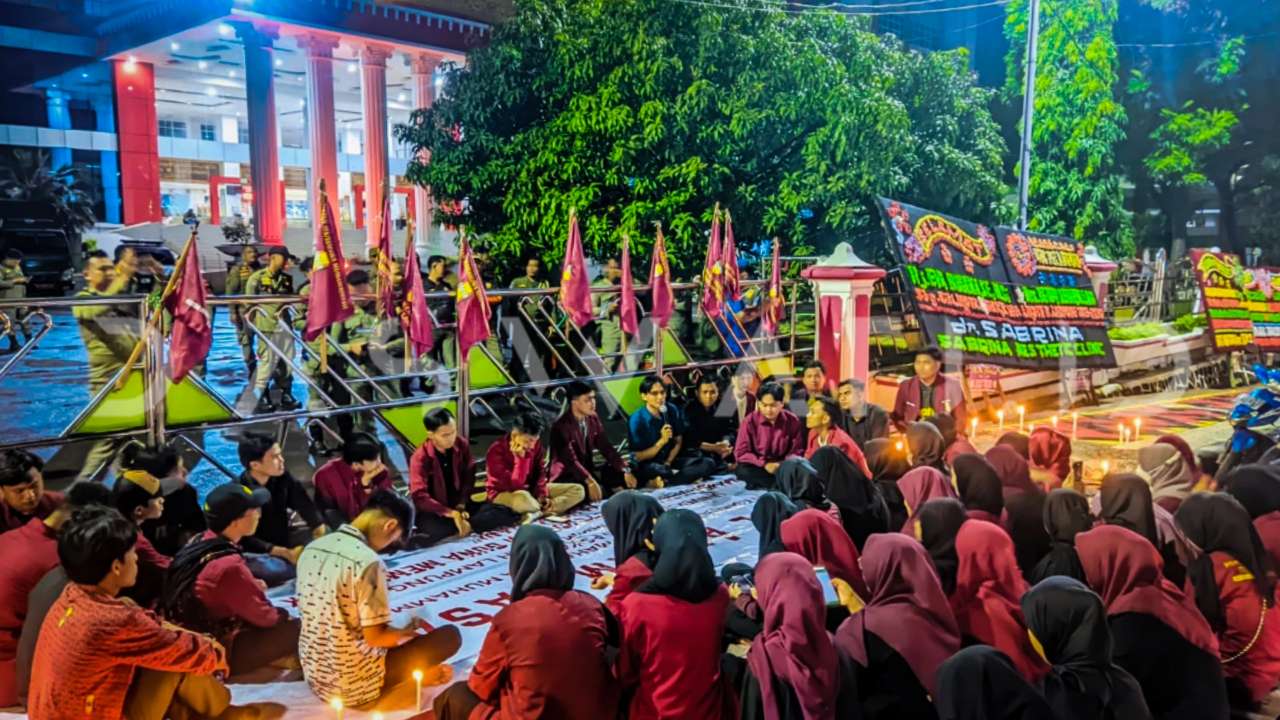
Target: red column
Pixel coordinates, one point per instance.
(320, 119)
(843, 284)
(136, 133)
(373, 87)
(424, 92)
(264, 154)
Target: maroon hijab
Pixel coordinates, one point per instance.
(794, 645)
(1188, 455)
(1050, 450)
(817, 537)
(919, 487)
(1127, 572)
(1014, 472)
(907, 609)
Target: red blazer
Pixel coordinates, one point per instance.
(338, 487)
(433, 492)
(500, 465)
(571, 459)
(544, 657)
(906, 407)
(627, 577)
(839, 438)
(1259, 668)
(671, 656)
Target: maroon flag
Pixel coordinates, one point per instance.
(664, 299)
(575, 288)
(472, 302)
(627, 315)
(330, 299)
(731, 287)
(772, 308)
(384, 275)
(192, 332)
(713, 272)
(415, 319)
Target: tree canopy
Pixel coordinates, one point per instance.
(639, 111)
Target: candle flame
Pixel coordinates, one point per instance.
(336, 703)
(417, 675)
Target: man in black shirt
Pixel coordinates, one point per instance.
(263, 463)
(706, 431)
(863, 421)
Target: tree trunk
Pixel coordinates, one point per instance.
(1228, 232)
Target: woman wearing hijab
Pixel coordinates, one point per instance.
(1068, 625)
(980, 683)
(919, 487)
(745, 617)
(1168, 474)
(988, 588)
(1014, 472)
(1125, 500)
(799, 480)
(1160, 637)
(1188, 456)
(1019, 442)
(1023, 507)
(979, 488)
(955, 443)
(795, 671)
(629, 516)
(820, 540)
(545, 653)
(1235, 590)
(771, 509)
(903, 635)
(672, 627)
(1049, 453)
(937, 523)
(887, 461)
(926, 446)
(1066, 515)
(1257, 488)
(861, 507)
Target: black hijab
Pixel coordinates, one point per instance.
(1069, 623)
(1019, 442)
(770, 510)
(1024, 519)
(937, 523)
(1066, 514)
(1216, 522)
(862, 507)
(886, 461)
(1256, 487)
(683, 569)
(927, 445)
(981, 683)
(539, 561)
(630, 515)
(978, 484)
(799, 480)
(1126, 501)
(946, 425)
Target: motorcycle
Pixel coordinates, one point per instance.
(1256, 419)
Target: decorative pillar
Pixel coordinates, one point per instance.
(109, 160)
(321, 121)
(1100, 270)
(373, 87)
(59, 115)
(137, 140)
(424, 94)
(264, 151)
(842, 286)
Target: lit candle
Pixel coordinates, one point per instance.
(1137, 429)
(1121, 429)
(1022, 416)
(1000, 419)
(336, 704)
(898, 446)
(417, 680)
(1106, 468)
(973, 428)
(1054, 421)
(1031, 428)
(1075, 417)
(376, 716)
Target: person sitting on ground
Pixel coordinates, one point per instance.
(979, 487)
(22, 494)
(348, 647)
(859, 503)
(575, 435)
(981, 683)
(630, 517)
(656, 432)
(442, 481)
(743, 385)
(1165, 468)
(821, 540)
(927, 447)
(1049, 454)
(30, 552)
(862, 420)
(138, 497)
(814, 383)
(952, 441)
(516, 469)
(824, 423)
(1066, 516)
(344, 484)
(918, 487)
(182, 518)
(549, 652)
(1257, 488)
(101, 656)
(929, 393)
(263, 463)
(209, 588)
(1125, 500)
(707, 431)
(888, 462)
(770, 435)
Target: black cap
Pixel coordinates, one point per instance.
(281, 250)
(229, 502)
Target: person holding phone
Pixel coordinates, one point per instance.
(817, 536)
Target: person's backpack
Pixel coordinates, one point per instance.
(178, 601)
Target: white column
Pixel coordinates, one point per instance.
(373, 86)
(424, 94)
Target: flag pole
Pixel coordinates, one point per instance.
(659, 340)
(626, 344)
(408, 341)
(464, 357)
(324, 336)
(169, 287)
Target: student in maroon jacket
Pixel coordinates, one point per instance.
(546, 654)
(769, 435)
(22, 494)
(442, 480)
(929, 393)
(343, 485)
(574, 436)
(516, 472)
(672, 627)
(210, 590)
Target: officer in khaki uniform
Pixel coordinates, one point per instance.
(526, 350)
(273, 320)
(606, 306)
(13, 286)
(374, 343)
(237, 279)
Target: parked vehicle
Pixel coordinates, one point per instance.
(1256, 419)
(50, 248)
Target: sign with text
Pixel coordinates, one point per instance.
(1221, 279)
(1262, 298)
(1002, 297)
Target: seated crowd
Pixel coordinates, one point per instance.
(910, 579)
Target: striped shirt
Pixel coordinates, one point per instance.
(342, 589)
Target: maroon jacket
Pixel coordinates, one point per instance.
(761, 442)
(227, 589)
(544, 656)
(500, 470)
(431, 491)
(29, 552)
(338, 487)
(571, 453)
(11, 519)
(906, 407)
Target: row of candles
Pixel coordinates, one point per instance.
(1125, 432)
(339, 707)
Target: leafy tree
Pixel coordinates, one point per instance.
(1075, 185)
(637, 111)
(28, 176)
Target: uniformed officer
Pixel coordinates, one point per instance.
(606, 306)
(373, 342)
(273, 320)
(530, 350)
(237, 278)
(13, 286)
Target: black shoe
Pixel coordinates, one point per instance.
(289, 402)
(264, 406)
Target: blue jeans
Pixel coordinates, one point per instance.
(270, 569)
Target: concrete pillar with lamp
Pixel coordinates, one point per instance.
(842, 287)
(373, 87)
(264, 152)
